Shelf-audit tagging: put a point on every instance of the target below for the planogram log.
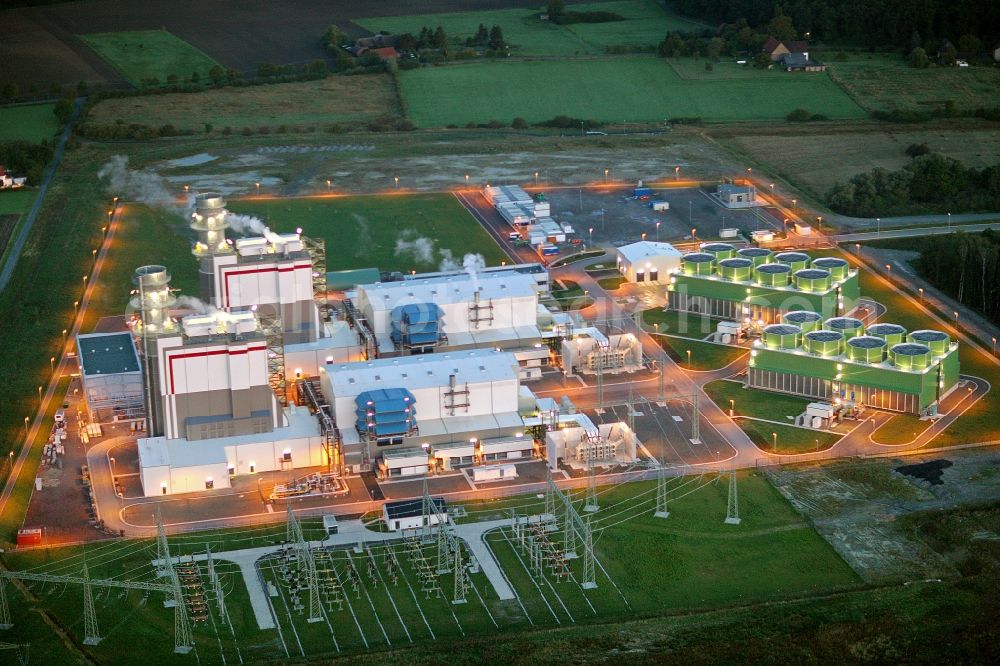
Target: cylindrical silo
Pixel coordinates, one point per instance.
(736, 269)
(823, 343)
(781, 336)
(698, 263)
(849, 326)
(772, 275)
(937, 341)
(837, 267)
(804, 319)
(910, 356)
(795, 260)
(718, 250)
(866, 349)
(759, 255)
(893, 334)
(812, 279)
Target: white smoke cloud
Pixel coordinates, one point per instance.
(196, 304)
(143, 185)
(420, 248)
(473, 264)
(250, 225)
(448, 263)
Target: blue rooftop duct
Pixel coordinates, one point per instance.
(415, 325)
(385, 412)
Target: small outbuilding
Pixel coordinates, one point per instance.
(737, 196)
(409, 514)
(648, 261)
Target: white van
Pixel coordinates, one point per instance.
(60, 417)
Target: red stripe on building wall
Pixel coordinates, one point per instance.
(217, 352)
(250, 271)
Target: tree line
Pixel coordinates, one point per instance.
(966, 267)
(861, 21)
(27, 158)
(929, 183)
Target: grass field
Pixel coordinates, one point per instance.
(751, 402)
(362, 232)
(678, 324)
(308, 103)
(900, 429)
(704, 355)
(791, 440)
(631, 89)
(33, 122)
(709, 565)
(146, 54)
(886, 82)
(16, 201)
(646, 24)
(801, 159)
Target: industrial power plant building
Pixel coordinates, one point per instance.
(648, 261)
(441, 409)
(840, 361)
(752, 285)
(111, 376)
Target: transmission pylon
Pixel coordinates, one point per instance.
(600, 378)
(569, 536)
(695, 421)
(426, 511)
(550, 498)
(590, 504)
(165, 566)
(183, 640)
(443, 550)
(5, 621)
(92, 635)
(733, 505)
(213, 577)
(661, 493)
(460, 577)
(589, 577)
(661, 392)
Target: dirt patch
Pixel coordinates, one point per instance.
(930, 471)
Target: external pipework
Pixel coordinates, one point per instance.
(209, 222)
(152, 299)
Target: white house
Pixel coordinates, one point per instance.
(648, 261)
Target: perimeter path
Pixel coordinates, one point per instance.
(21, 463)
(907, 220)
(860, 237)
(353, 533)
(29, 221)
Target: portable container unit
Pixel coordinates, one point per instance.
(837, 267)
(866, 349)
(736, 269)
(804, 319)
(698, 263)
(781, 336)
(849, 326)
(758, 255)
(823, 343)
(642, 192)
(910, 356)
(659, 206)
(812, 279)
(795, 260)
(893, 334)
(773, 275)
(719, 250)
(937, 341)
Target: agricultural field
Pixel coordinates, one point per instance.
(646, 24)
(389, 595)
(887, 83)
(634, 89)
(147, 54)
(336, 99)
(393, 233)
(31, 122)
(803, 159)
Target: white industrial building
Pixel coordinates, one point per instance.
(515, 205)
(737, 196)
(411, 412)
(111, 376)
(407, 515)
(578, 443)
(590, 351)
(495, 309)
(648, 261)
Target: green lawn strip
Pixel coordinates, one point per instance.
(978, 424)
(900, 429)
(17, 201)
(646, 24)
(791, 439)
(146, 54)
(375, 224)
(704, 355)
(611, 283)
(753, 402)
(634, 89)
(679, 324)
(28, 122)
(573, 258)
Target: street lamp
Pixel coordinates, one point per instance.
(328, 183)
(536, 178)
(878, 226)
(732, 407)
(396, 178)
(258, 187)
(39, 395)
(26, 419)
(794, 201)
(689, 358)
(605, 175)
(677, 173)
(187, 187)
(888, 268)
(656, 325)
(591, 230)
(643, 235)
(466, 180)
(921, 290)
(949, 220)
(658, 232)
(112, 459)
(52, 363)
(694, 233)
(857, 249)
(774, 438)
(994, 346)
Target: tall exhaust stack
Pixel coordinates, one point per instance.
(152, 299)
(209, 222)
